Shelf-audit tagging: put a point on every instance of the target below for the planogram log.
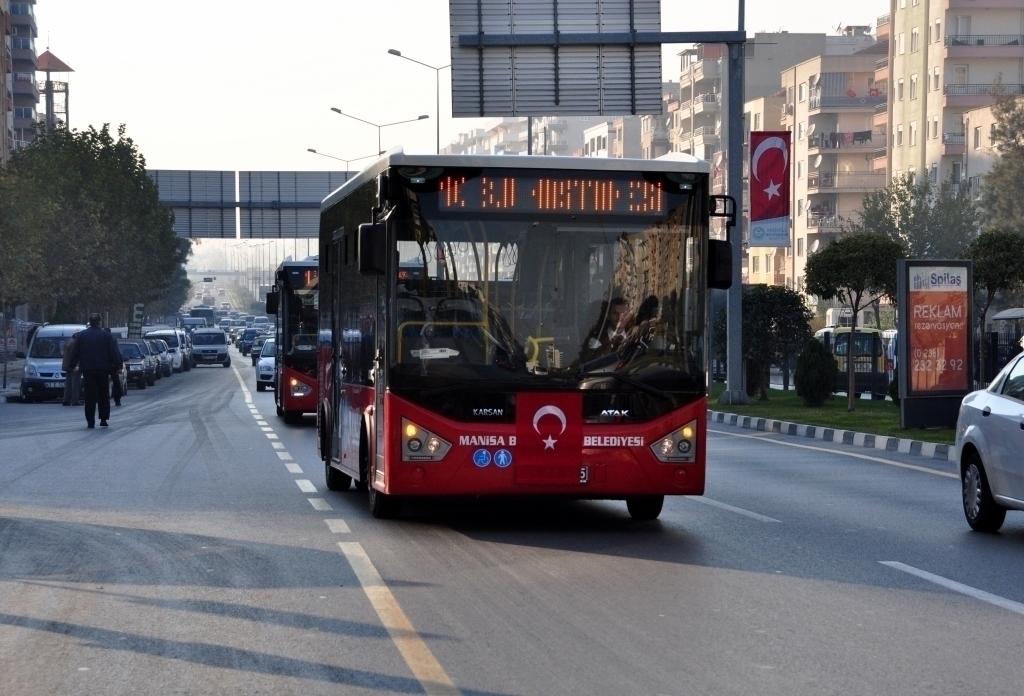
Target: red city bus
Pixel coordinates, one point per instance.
(293, 302)
(517, 325)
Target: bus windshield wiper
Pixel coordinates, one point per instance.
(630, 381)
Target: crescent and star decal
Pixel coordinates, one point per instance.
(549, 442)
(768, 144)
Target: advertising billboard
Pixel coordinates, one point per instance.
(935, 355)
(769, 188)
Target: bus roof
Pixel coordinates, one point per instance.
(313, 261)
(397, 157)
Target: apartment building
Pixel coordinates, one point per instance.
(829, 106)
(6, 93)
(615, 137)
(25, 91)
(947, 57)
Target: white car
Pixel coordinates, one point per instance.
(265, 366)
(989, 446)
(177, 348)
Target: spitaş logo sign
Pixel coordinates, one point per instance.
(938, 279)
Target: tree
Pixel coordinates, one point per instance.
(998, 258)
(857, 269)
(89, 219)
(1001, 192)
(932, 221)
(815, 374)
(775, 324)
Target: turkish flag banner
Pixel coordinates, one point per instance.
(549, 437)
(770, 162)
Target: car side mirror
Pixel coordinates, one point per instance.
(372, 248)
(272, 302)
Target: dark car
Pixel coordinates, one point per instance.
(210, 347)
(149, 361)
(246, 339)
(257, 345)
(134, 364)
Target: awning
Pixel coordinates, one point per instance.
(1009, 314)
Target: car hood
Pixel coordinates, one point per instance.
(266, 363)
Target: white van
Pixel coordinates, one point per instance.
(43, 377)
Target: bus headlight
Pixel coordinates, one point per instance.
(678, 447)
(300, 388)
(413, 447)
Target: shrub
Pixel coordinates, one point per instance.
(816, 371)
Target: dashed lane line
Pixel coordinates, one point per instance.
(305, 485)
(338, 526)
(277, 445)
(414, 650)
(284, 456)
(732, 508)
(266, 429)
(271, 436)
(319, 504)
(293, 468)
(1008, 604)
(890, 462)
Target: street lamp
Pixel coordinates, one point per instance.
(378, 126)
(437, 87)
(342, 159)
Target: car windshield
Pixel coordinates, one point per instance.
(249, 334)
(49, 347)
(208, 339)
(268, 349)
(130, 351)
(170, 340)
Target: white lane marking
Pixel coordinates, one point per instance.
(271, 436)
(338, 526)
(261, 422)
(319, 504)
(284, 456)
(277, 445)
(776, 441)
(305, 485)
(421, 661)
(267, 429)
(1008, 604)
(241, 383)
(732, 508)
(293, 468)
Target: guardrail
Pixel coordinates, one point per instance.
(954, 138)
(985, 40)
(840, 180)
(982, 90)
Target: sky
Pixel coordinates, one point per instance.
(248, 84)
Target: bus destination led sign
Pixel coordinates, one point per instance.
(554, 194)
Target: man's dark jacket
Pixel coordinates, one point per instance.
(95, 349)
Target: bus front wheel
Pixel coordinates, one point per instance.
(336, 481)
(384, 507)
(646, 507)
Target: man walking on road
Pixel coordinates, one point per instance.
(72, 378)
(96, 354)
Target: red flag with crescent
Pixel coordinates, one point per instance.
(770, 162)
(549, 434)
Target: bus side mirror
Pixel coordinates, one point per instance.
(272, 302)
(719, 264)
(372, 248)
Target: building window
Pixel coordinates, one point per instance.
(901, 44)
(801, 130)
(977, 137)
(899, 90)
(959, 74)
(757, 122)
(935, 77)
(756, 264)
(915, 40)
(935, 126)
(800, 246)
(992, 135)
(937, 30)
(957, 174)
(913, 86)
(800, 207)
(934, 173)
(899, 134)
(903, 4)
(767, 263)
(912, 175)
(802, 92)
(800, 169)
(913, 133)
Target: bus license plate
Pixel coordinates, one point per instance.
(53, 385)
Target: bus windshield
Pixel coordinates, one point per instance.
(298, 316)
(548, 299)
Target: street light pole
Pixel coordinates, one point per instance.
(378, 126)
(341, 159)
(437, 88)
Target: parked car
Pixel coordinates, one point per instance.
(137, 368)
(150, 361)
(989, 440)
(175, 340)
(265, 365)
(257, 345)
(43, 376)
(210, 347)
(164, 358)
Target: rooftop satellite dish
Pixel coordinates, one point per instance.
(817, 161)
(810, 129)
(814, 245)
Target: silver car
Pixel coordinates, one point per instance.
(989, 446)
(265, 366)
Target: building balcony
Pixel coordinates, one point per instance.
(880, 159)
(700, 70)
(823, 222)
(706, 133)
(854, 141)
(820, 102)
(882, 70)
(25, 85)
(954, 144)
(26, 56)
(557, 124)
(704, 103)
(882, 26)
(987, 4)
(976, 95)
(985, 46)
(845, 181)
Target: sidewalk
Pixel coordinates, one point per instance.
(14, 370)
(931, 450)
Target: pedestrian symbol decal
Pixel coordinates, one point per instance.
(502, 458)
(481, 458)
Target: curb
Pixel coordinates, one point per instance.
(931, 450)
